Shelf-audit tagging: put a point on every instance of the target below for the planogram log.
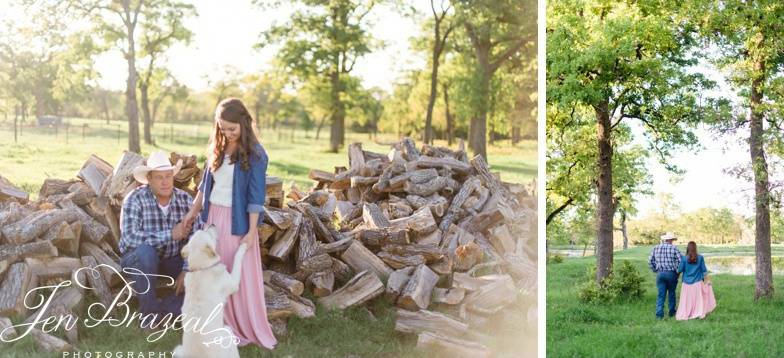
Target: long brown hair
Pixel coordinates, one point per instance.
(691, 252)
(234, 111)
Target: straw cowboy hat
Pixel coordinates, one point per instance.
(669, 236)
(157, 161)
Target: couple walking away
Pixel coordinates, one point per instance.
(666, 261)
(157, 219)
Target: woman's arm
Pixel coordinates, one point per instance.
(681, 265)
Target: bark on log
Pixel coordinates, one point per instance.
(34, 226)
(452, 164)
(429, 252)
(50, 343)
(122, 182)
(381, 237)
(468, 187)
(18, 281)
(7, 332)
(410, 151)
(429, 321)
(426, 188)
(416, 295)
(98, 284)
(360, 258)
(58, 268)
(333, 247)
(373, 217)
(14, 253)
(420, 223)
(360, 289)
(92, 230)
(10, 192)
(279, 218)
(399, 261)
(342, 272)
(356, 159)
(285, 282)
(397, 282)
(307, 242)
(80, 194)
(322, 282)
(53, 186)
(286, 239)
(111, 276)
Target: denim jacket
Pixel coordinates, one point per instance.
(247, 192)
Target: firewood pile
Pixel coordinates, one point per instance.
(437, 234)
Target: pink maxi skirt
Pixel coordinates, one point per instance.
(696, 301)
(246, 310)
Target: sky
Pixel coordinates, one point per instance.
(226, 32)
(704, 183)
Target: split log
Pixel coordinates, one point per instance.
(34, 226)
(373, 217)
(356, 159)
(358, 181)
(122, 181)
(112, 273)
(360, 258)
(94, 172)
(431, 162)
(279, 328)
(13, 213)
(315, 263)
(451, 346)
(80, 194)
(322, 283)
(286, 239)
(58, 268)
(471, 283)
(426, 188)
(381, 237)
(449, 296)
(399, 210)
(415, 176)
(360, 289)
(280, 218)
(285, 282)
(432, 239)
(98, 284)
(63, 237)
(399, 261)
(492, 297)
(14, 253)
(343, 179)
(410, 151)
(10, 192)
(491, 182)
(431, 253)
(18, 281)
(300, 306)
(437, 203)
(485, 220)
(265, 232)
(321, 230)
(468, 187)
(502, 239)
(307, 242)
(322, 176)
(277, 303)
(337, 246)
(53, 186)
(294, 192)
(416, 295)
(384, 179)
(429, 321)
(342, 272)
(91, 229)
(421, 222)
(7, 332)
(100, 209)
(397, 282)
(466, 256)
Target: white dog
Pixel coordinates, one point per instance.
(207, 286)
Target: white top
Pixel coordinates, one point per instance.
(223, 178)
(165, 209)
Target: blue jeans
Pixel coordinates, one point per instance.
(666, 282)
(145, 259)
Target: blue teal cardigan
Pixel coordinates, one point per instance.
(692, 272)
(247, 191)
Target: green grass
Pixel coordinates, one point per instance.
(40, 153)
(737, 328)
(43, 152)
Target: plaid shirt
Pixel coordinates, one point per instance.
(143, 222)
(664, 257)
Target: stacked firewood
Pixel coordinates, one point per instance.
(73, 224)
(436, 234)
(416, 226)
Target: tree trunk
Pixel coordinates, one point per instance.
(764, 272)
(604, 242)
(131, 105)
(338, 111)
(449, 126)
(623, 230)
(479, 127)
(437, 47)
(144, 88)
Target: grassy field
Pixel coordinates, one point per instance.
(359, 332)
(43, 152)
(737, 328)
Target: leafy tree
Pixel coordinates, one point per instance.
(624, 61)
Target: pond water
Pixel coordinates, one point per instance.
(739, 265)
(578, 252)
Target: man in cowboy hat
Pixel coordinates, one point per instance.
(153, 232)
(664, 261)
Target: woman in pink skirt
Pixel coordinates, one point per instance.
(697, 298)
(231, 197)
